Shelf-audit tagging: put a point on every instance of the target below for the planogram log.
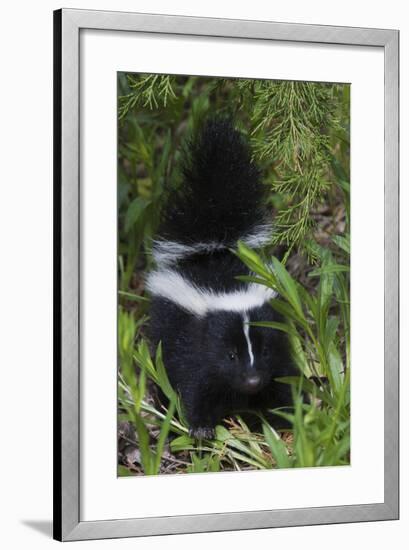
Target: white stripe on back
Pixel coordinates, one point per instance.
(169, 252)
(171, 285)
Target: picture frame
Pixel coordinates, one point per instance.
(68, 500)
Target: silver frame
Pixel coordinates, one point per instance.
(67, 26)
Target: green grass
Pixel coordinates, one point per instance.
(307, 176)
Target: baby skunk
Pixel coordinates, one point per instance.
(200, 312)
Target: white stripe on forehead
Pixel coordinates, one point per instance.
(172, 286)
(246, 329)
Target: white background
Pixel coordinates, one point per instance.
(26, 359)
(362, 482)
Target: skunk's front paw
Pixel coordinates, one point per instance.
(202, 432)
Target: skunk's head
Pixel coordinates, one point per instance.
(241, 356)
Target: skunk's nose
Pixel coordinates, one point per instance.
(252, 383)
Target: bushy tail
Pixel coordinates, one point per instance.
(220, 199)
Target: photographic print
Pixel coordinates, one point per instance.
(202, 275)
(233, 274)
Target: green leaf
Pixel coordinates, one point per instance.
(164, 434)
(182, 443)
(325, 294)
(147, 456)
(333, 268)
(289, 285)
(122, 471)
(163, 379)
(134, 212)
(213, 463)
(343, 243)
(287, 311)
(224, 436)
(141, 390)
(275, 325)
(252, 260)
(303, 444)
(143, 358)
(299, 354)
(198, 464)
(310, 301)
(308, 386)
(336, 367)
(277, 446)
(159, 170)
(133, 297)
(257, 280)
(326, 282)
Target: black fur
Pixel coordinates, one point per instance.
(207, 356)
(220, 197)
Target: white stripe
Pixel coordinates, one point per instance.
(261, 236)
(247, 335)
(174, 287)
(169, 252)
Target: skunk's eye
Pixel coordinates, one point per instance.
(231, 355)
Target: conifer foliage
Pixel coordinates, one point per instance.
(292, 122)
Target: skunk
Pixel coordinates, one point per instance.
(217, 362)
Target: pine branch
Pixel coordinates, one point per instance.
(291, 125)
(149, 91)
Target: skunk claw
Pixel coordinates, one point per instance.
(202, 433)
